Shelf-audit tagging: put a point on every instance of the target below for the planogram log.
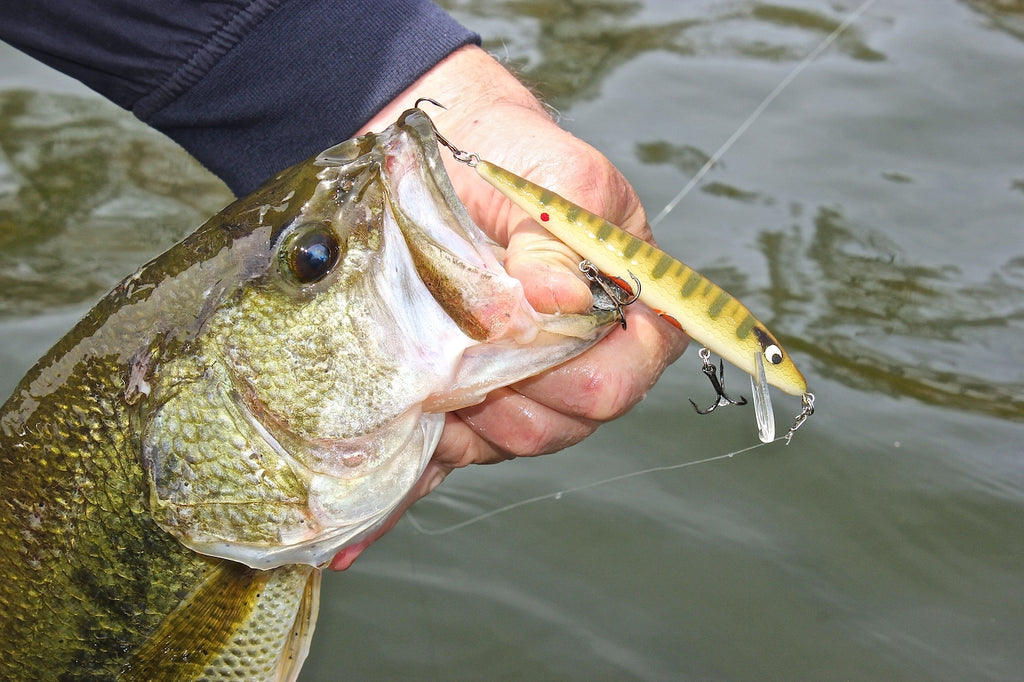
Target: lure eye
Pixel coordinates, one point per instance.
(773, 354)
(309, 253)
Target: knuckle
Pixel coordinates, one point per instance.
(602, 395)
(542, 437)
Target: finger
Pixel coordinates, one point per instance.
(547, 269)
(461, 445)
(511, 425)
(608, 379)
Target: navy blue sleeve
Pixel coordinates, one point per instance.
(248, 87)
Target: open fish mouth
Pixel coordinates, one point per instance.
(315, 388)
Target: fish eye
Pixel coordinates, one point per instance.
(773, 354)
(309, 253)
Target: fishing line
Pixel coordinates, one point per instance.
(444, 530)
(759, 109)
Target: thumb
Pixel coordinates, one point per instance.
(548, 270)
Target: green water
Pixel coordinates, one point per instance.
(873, 216)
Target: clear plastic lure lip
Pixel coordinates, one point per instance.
(762, 402)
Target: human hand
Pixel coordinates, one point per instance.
(491, 114)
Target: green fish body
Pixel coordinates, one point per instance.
(174, 471)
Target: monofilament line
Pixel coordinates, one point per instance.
(558, 495)
(759, 109)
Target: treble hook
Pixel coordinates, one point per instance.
(615, 288)
(460, 155)
(807, 409)
(717, 382)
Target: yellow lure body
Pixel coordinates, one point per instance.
(706, 312)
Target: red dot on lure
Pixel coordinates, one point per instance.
(544, 217)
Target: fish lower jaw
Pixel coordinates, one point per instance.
(317, 552)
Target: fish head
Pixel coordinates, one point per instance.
(358, 303)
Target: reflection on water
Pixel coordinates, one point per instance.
(871, 218)
(573, 46)
(1006, 15)
(683, 157)
(883, 324)
(86, 196)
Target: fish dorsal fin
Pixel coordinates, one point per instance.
(239, 622)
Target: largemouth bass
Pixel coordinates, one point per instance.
(176, 469)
